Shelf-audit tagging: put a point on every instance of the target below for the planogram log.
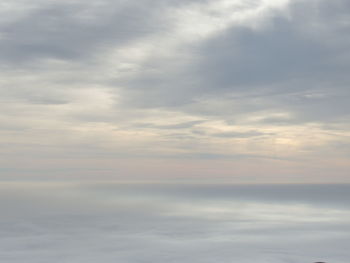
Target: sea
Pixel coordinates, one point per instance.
(123, 222)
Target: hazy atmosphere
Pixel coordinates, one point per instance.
(174, 131)
(227, 90)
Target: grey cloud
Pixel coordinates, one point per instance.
(249, 60)
(79, 30)
(31, 93)
(295, 64)
(285, 57)
(239, 134)
(182, 125)
(278, 63)
(55, 30)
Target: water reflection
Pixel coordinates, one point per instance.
(173, 223)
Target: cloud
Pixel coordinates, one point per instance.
(273, 67)
(170, 126)
(239, 134)
(75, 31)
(176, 78)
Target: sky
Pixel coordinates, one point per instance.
(246, 91)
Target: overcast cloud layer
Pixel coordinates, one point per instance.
(218, 90)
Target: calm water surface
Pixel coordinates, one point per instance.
(110, 222)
